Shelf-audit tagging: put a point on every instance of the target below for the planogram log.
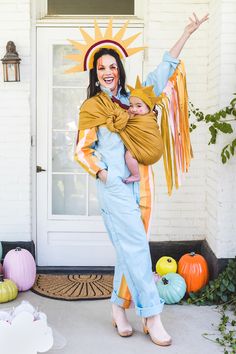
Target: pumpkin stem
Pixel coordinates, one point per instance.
(1, 278)
(169, 260)
(18, 249)
(192, 254)
(165, 281)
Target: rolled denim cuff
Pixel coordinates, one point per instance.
(150, 311)
(102, 165)
(120, 301)
(171, 60)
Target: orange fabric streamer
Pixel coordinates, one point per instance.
(175, 129)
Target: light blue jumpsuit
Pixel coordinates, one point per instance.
(119, 204)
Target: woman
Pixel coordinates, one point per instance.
(126, 208)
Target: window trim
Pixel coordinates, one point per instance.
(97, 12)
(40, 8)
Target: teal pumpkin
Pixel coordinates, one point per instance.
(172, 288)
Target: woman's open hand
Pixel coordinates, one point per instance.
(195, 23)
(189, 29)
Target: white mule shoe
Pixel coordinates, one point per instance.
(120, 321)
(153, 335)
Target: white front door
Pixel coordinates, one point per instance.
(70, 230)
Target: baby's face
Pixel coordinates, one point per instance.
(137, 106)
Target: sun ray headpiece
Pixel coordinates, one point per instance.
(145, 93)
(92, 45)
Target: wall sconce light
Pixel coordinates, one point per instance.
(11, 63)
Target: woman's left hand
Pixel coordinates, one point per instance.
(189, 29)
(195, 23)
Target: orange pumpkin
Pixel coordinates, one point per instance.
(194, 269)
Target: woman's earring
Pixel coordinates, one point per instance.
(119, 82)
(97, 83)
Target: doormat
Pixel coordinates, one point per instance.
(74, 286)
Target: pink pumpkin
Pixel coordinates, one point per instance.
(19, 266)
(157, 277)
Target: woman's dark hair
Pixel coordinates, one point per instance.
(92, 88)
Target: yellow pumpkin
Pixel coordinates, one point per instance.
(166, 265)
(8, 290)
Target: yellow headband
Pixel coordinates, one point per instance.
(145, 93)
(86, 56)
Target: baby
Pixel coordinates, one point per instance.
(137, 127)
(141, 103)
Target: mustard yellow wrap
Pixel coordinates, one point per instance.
(140, 133)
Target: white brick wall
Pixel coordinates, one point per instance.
(213, 99)
(204, 207)
(221, 192)
(15, 179)
(226, 243)
(182, 216)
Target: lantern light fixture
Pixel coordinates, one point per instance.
(11, 63)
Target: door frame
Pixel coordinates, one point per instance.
(38, 10)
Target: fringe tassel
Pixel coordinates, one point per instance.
(175, 129)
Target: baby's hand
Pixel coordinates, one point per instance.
(130, 114)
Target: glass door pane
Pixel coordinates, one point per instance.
(68, 194)
(73, 191)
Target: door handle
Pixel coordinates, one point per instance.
(39, 169)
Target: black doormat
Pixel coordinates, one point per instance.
(74, 286)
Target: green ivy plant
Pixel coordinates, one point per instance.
(218, 291)
(218, 122)
(227, 337)
(221, 292)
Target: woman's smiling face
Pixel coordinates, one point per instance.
(108, 73)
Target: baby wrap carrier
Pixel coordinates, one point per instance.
(140, 133)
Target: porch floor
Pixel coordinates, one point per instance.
(86, 326)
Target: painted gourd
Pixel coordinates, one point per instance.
(194, 269)
(19, 266)
(166, 265)
(171, 288)
(156, 277)
(8, 290)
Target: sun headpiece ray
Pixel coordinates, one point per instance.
(92, 45)
(145, 93)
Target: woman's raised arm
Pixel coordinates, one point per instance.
(194, 24)
(159, 77)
